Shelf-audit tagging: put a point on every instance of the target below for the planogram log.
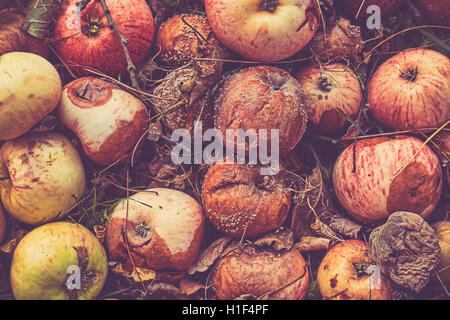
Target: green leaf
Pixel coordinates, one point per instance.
(435, 39)
(40, 14)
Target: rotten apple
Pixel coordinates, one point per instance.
(41, 177)
(30, 88)
(108, 120)
(248, 270)
(264, 30)
(375, 177)
(411, 90)
(346, 273)
(162, 229)
(329, 88)
(442, 229)
(58, 261)
(85, 38)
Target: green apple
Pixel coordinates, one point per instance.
(30, 88)
(58, 261)
(442, 229)
(41, 177)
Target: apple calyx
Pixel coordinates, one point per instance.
(410, 74)
(361, 269)
(324, 84)
(92, 28)
(268, 5)
(86, 276)
(142, 230)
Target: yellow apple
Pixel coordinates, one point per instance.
(41, 177)
(30, 88)
(58, 261)
(442, 229)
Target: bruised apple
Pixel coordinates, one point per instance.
(255, 271)
(411, 90)
(41, 177)
(329, 88)
(58, 261)
(264, 30)
(86, 39)
(108, 120)
(30, 88)
(369, 185)
(351, 7)
(442, 230)
(14, 38)
(348, 272)
(163, 229)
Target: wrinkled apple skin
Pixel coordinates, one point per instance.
(41, 259)
(30, 88)
(362, 178)
(344, 92)
(103, 50)
(442, 230)
(338, 278)
(175, 224)
(262, 35)
(423, 101)
(41, 176)
(109, 123)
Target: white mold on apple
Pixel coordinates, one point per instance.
(46, 261)
(370, 184)
(30, 88)
(264, 30)
(41, 177)
(163, 229)
(108, 120)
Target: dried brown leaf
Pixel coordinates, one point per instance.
(207, 258)
(281, 239)
(346, 227)
(307, 244)
(11, 245)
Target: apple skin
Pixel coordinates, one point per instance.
(30, 88)
(2, 223)
(262, 35)
(108, 124)
(338, 278)
(369, 195)
(103, 50)
(41, 260)
(351, 7)
(40, 174)
(437, 11)
(422, 101)
(14, 38)
(258, 271)
(174, 225)
(442, 229)
(341, 90)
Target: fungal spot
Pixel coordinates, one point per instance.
(333, 282)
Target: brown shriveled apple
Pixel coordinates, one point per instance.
(345, 274)
(329, 88)
(369, 185)
(162, 228)
(411, 88)
(108, 120)
(263, 97)
(248, 270)
(239, 201)
(14, 38)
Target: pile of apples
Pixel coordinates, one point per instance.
(43, 174)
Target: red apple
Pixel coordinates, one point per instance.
(263, 30)
(351, 7)
(344, 272)
(86, 39)
(108, 120)
(330, 87)
(367, 183)
(411, 88)
(164, 228)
